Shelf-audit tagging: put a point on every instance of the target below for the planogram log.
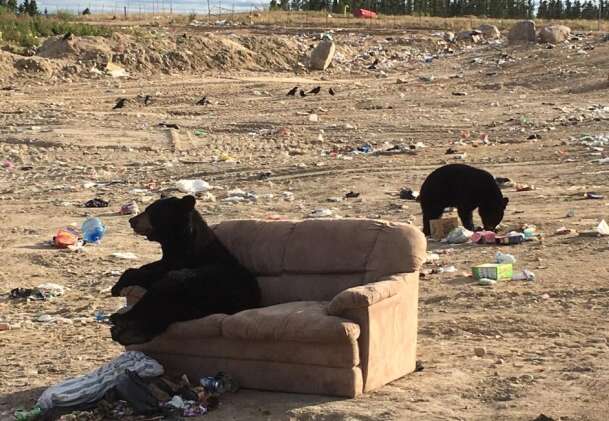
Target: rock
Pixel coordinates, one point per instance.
(34, 64)
(489, 31)
(527, 378)
(554, 34)
(523, 31)
(322, 54)
(480, 352)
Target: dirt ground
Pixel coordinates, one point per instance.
(546, 341)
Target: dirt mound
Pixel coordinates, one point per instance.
(34, 65)
(7, 62)
(166, 50)
(87, 49)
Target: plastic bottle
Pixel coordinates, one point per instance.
(93, 230)
(219, 384)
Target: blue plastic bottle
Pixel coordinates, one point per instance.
(93, 230)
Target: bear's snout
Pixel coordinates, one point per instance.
(141, 224)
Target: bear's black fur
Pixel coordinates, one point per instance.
(195, 277)
(466, 188)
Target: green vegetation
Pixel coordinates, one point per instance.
(25, 31)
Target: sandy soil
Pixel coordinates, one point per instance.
(545, 341)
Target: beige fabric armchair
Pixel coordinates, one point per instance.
(338, 314)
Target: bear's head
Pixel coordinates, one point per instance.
(167, 219)
(493, 215)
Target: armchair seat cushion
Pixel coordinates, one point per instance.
(300, 321)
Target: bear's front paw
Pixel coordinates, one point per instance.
(128, 278)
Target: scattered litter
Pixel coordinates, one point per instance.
(504, 258)
(524, 275)
(101, 317)
(92, 387)
(192, 186)
(432, 257)
(603, 228)
(44, 318)
(408, 194)
(459, 235)
(365, 149)
(169, 126)
(50, 290)
(510, 239)
(524, 187)
(484, 237)
(445, 269)
(130, 208)
(313, 118)
(28, 415)
(352, 195)
(219, 384)
(238, 195)
(288, 196)
(66, 237)
(96, 203)
(320, 213)
(564, 231)
(176, 402)
(93, 230)
(495, 271)
(486, 282)
(115, 70)
(594, 195)
(199, 132)
(125, 255)
(29, 293)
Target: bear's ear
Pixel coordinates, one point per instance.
(188, 203)
(505, 202)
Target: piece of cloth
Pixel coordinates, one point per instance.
(132, 389)
(92, 386)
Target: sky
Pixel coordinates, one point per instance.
(151, 6)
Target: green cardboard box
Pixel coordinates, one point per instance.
(496, 271)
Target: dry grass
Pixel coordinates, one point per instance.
(321, 20)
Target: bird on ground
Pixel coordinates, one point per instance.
(315, 90)
(147, 100)
(120, 103)
(292, 91)
(373, 65)
(331, 91)
(302, 93)
(203, 101)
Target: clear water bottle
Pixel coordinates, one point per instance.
(93, 230)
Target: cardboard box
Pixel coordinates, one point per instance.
(495, 271)
(441, 227)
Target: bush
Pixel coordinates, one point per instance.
(64, 15)
(25, 30)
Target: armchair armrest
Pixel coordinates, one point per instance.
(365, 295)
(386, 312)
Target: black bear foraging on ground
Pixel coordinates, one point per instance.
(196, 276)
(466, 188)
